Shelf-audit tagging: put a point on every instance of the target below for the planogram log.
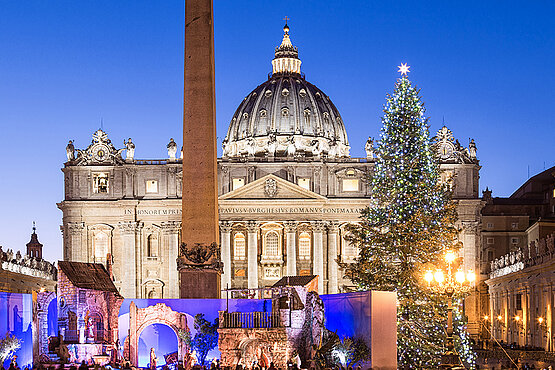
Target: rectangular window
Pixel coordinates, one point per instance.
(152, 186)
(304, 246)
(304, 183)
(514, 240)
(490, 256)
(489, 240)
(82, 296)
(239, 246)
(519, 302)
(271, 247)
(514, 225)
(237, 183)
(350, 185)
(100, 183)
(490, 225)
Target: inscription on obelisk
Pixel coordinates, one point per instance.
(199, 255)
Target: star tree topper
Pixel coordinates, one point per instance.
(403, 69)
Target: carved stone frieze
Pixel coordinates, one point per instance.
(451, 151)
(100, 151)
(200, 256)
(270, 188)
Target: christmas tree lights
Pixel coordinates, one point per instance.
(406, 229)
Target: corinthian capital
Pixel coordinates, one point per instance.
(251, 226)
(129, 227)
(225, 226)
(318, 226)
(290, 226)
(75, 227)
(333, 227)
(470, 227)
(171, 226)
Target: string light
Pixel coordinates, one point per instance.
(406, 229)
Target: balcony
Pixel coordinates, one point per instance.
(249, 320)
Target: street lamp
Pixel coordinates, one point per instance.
(448, 283)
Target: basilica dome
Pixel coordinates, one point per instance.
(286, 116)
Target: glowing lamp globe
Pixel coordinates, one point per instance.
(450, 257)
(471, 276)
(517, 318)
(439, 276)
(429, 276)
(499, 317)
(459, 276)
(540, 319)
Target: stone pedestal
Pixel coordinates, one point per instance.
(200, 283)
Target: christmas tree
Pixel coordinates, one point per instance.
(407, 229)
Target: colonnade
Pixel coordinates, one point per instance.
(523, 313)
(325, 249)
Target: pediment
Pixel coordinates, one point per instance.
(271, 187)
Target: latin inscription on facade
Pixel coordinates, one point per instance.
(255, 210)
(286, 210)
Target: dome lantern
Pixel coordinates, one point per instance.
(286, 58)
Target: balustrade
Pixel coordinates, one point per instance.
(249, 320)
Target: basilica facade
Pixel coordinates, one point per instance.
(287, 189)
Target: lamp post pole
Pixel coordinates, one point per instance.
(449, 284)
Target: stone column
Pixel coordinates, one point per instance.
(291, 247)
(225, 235)
(128, 263)
(74, 249)
(333, 232)
(318, 255)
(252, 254)
(470, 231)
(138, 259)
(171, 228)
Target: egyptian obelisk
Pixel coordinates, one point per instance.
(199, 261)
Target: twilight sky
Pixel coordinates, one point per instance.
(483, 66)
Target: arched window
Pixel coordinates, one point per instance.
(304, 245)
(239, 246)
(100, 246)
(152, 245)
(271, 244)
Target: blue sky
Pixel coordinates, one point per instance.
(486, 67)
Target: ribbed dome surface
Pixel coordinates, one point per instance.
(286, 116)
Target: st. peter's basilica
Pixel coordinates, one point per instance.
(287, 188)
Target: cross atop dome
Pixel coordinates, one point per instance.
(286, 58)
